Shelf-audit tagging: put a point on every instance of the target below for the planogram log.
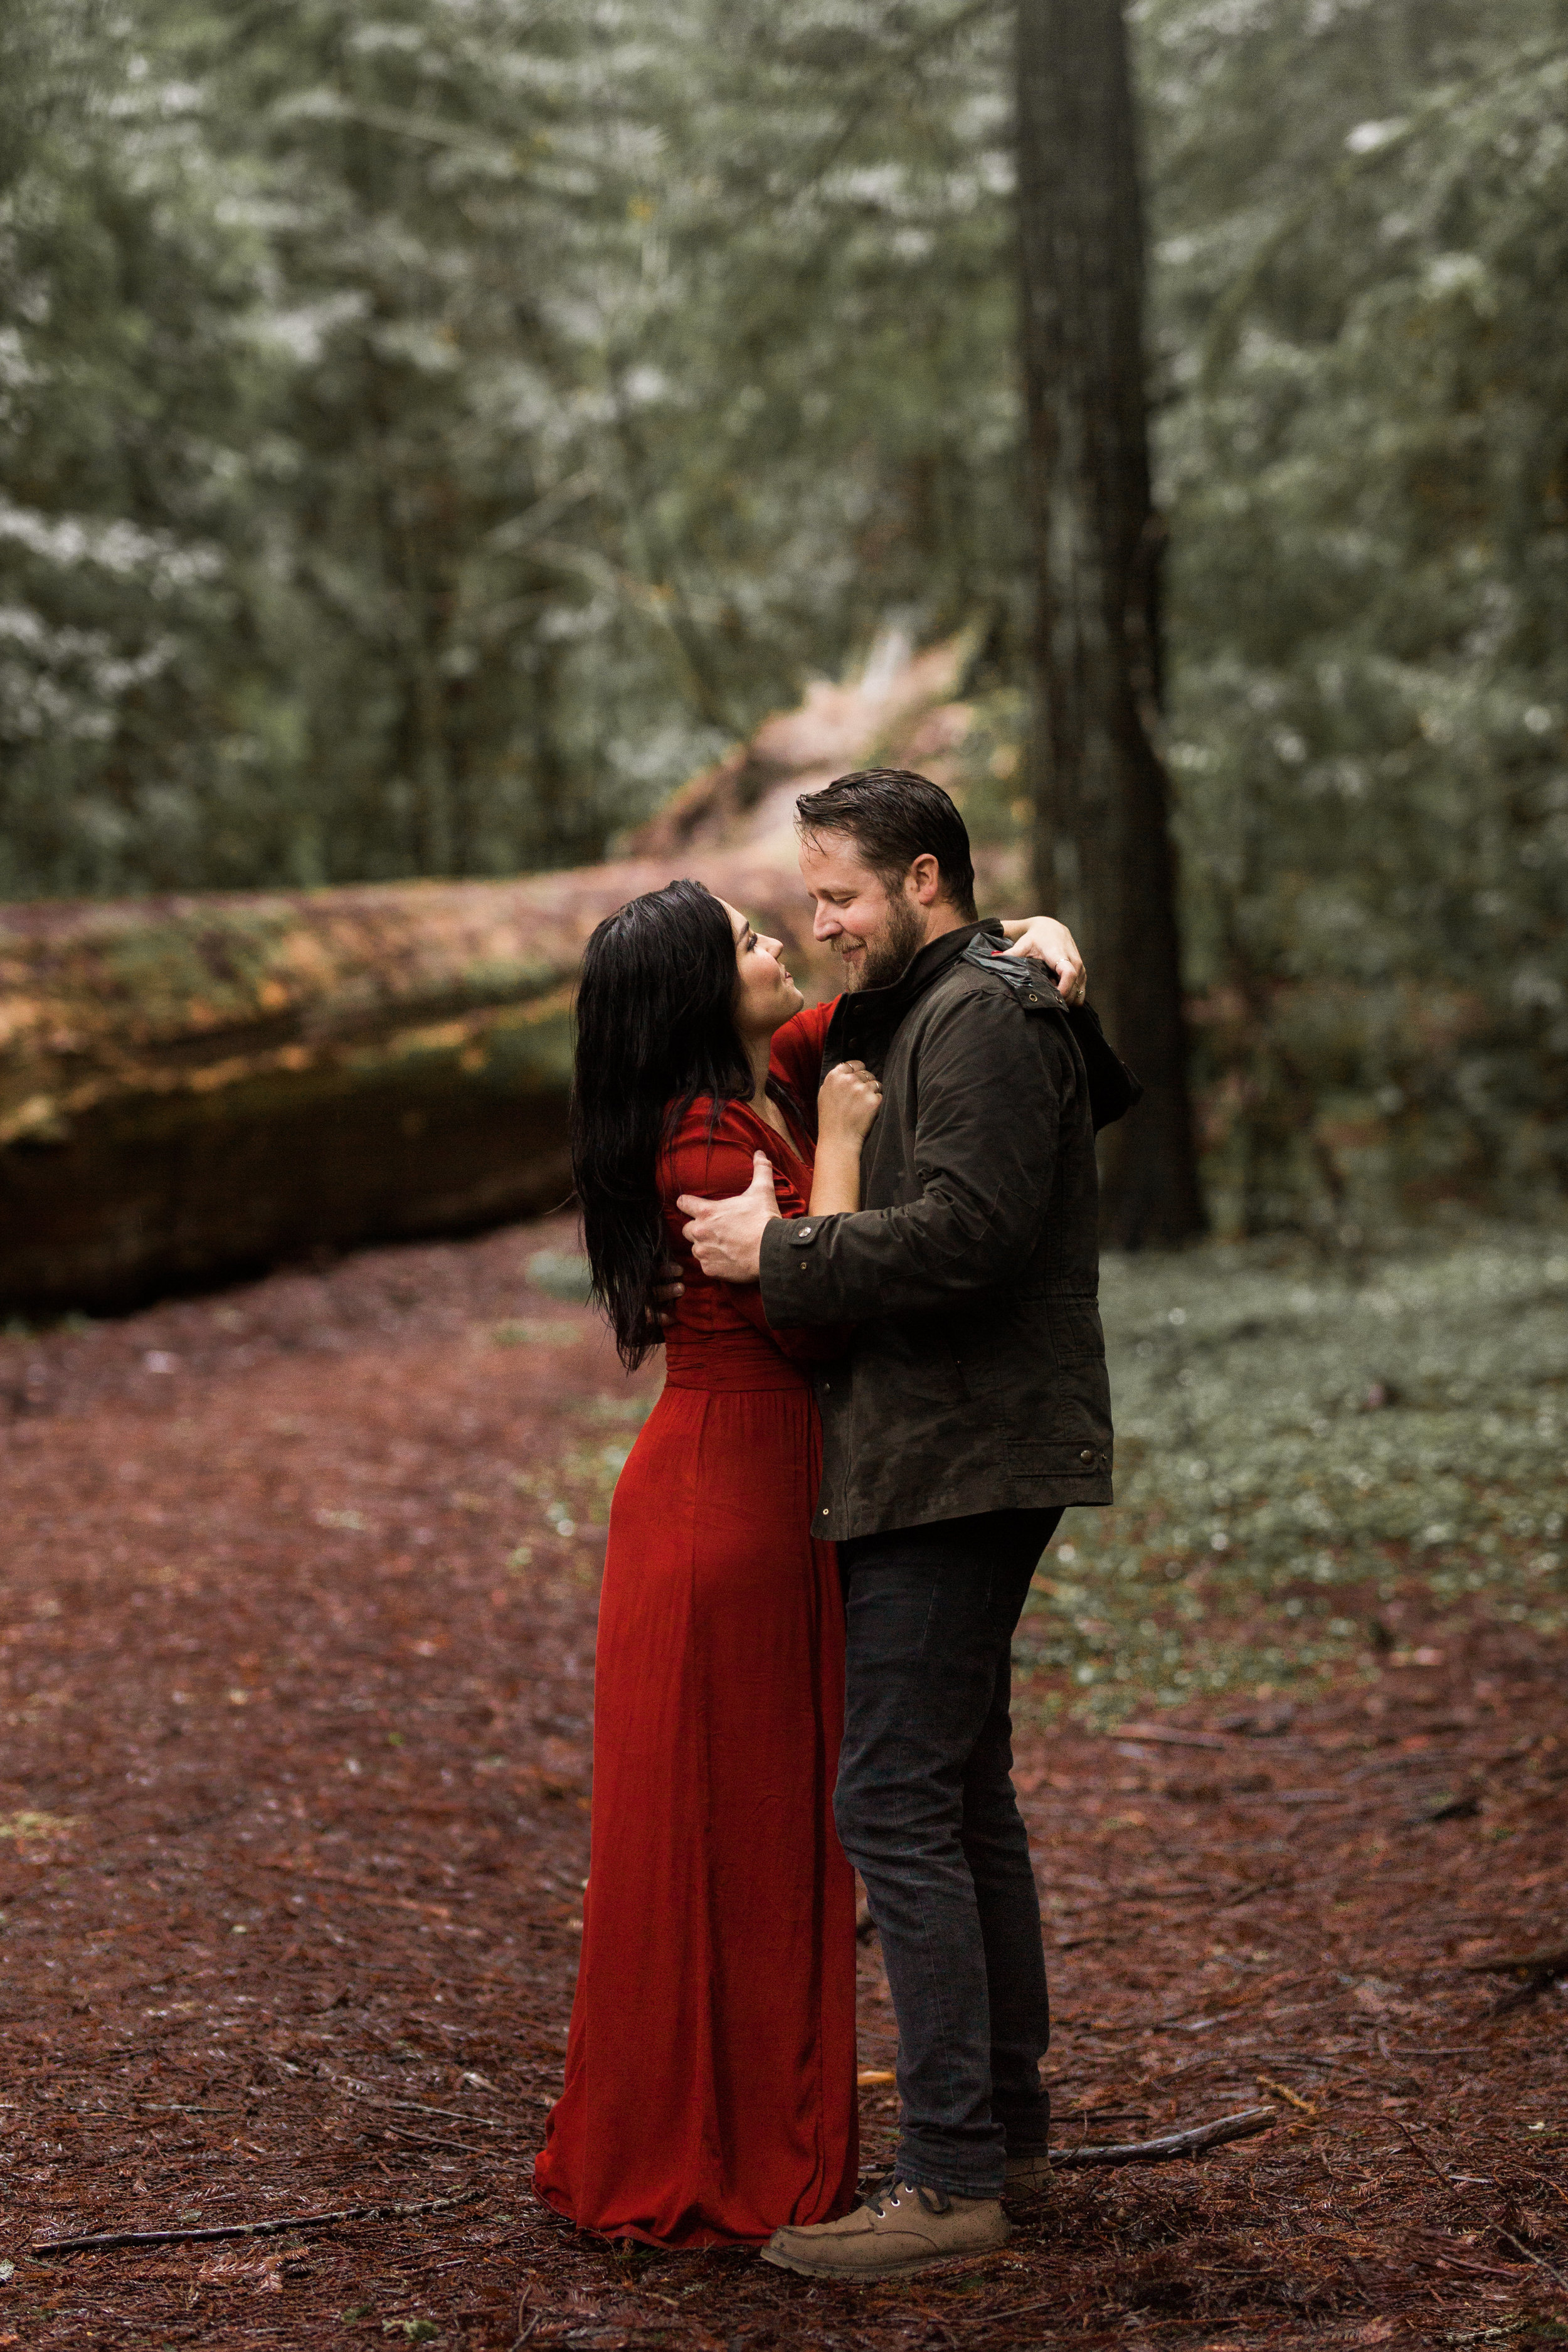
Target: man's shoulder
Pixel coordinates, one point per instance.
(998, 1014)
(987, 964)
(985, 980)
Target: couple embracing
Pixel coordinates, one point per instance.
(885, 1380)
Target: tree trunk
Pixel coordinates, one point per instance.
(1103, 850)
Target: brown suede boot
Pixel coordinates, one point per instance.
(1028, 2173)
(898, 2229)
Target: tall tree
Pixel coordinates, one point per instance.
(1103, 846)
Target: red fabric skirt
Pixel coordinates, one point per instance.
(709, 2093)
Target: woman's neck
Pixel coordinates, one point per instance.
(758, 1052)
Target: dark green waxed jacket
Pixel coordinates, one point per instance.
(976, 1379)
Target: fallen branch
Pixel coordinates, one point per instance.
(1172, 2144)
(278, 2229)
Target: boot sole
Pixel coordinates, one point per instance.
(870, 2272)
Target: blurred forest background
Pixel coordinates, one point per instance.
(430, 430)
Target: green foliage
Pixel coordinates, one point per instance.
(437, 184)
(572, 386)
(427, 433)
(828, 435)
(1296, 1450)
(1363, 219)
(127, 392)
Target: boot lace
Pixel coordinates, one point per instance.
(889, 2190)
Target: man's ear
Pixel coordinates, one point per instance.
(922, 883)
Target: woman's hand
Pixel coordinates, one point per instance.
(847, 1103)
(1052, 944)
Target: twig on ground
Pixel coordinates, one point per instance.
(1012, 2312)
(1246, 1893)
(1477, 2269)
(416, 2107)
(108, 2238)
(384, 1895)
(1283, 2091)
(1418, 2049)
(1172, 2144)
(1169, 1736)
(1430, 2162)
(1538, 2260)
(428, 2139)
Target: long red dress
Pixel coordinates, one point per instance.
(709, 2093)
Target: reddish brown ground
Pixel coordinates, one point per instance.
(295, 1817)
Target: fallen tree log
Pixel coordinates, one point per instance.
(194, 1089)
(197, 1087)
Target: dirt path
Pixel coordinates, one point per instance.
(293, 1822)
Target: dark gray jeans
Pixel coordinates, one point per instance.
(926, 1813)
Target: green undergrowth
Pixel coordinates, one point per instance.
(1314, 1465)
(1317, 1467)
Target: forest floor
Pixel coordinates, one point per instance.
(296, 1676)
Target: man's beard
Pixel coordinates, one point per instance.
(893, 952)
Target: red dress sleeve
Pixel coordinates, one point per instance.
(795, 1056)
(717, 1166)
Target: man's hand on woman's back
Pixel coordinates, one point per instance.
(726, 1236)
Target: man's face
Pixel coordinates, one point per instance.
(873, 929)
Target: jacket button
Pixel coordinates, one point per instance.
(1088, 1453)
(805, 1232)
(824, 1510)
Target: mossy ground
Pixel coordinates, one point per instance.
(1311, 1460)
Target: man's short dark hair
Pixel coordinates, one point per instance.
(894, 816)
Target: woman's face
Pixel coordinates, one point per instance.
(766, 995)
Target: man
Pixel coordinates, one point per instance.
(971, 1410)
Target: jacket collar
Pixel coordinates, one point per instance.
(868, 1014)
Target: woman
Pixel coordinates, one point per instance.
(709, 2093)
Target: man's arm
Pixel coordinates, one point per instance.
(992, 1080)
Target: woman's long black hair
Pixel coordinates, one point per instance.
(656, 1029)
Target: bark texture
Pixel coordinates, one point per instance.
(193, 1088)
(1103, 851)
